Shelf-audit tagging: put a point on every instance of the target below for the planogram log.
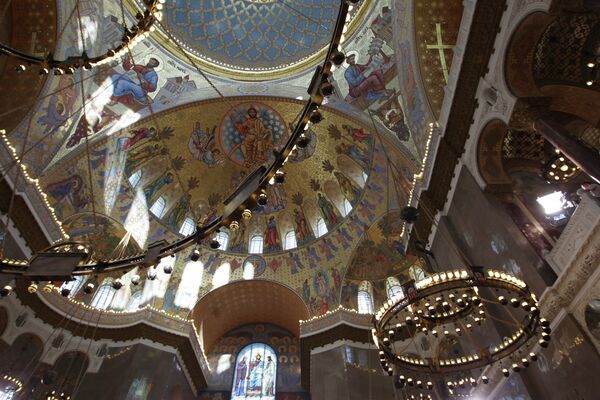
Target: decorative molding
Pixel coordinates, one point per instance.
(149, 324)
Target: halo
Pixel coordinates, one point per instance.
(161, 62)
(350, 53)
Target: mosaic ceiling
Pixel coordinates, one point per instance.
(190, 158)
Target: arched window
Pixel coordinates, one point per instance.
(290, 241)
(158, 286)
(347, 207)
(321, 227)
(255, 373)
(256, 244)
(248, 270)
(191, 280)
(134, 178)
(223, 239)
(159, 207)
(222, 275)
(103, 296)
(416, 273)
(188, 227)
(135, 301)
(365, 298)
(73, 285)
(393, 287)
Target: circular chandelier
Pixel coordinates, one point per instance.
(437, 331)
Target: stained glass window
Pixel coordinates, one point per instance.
(321, 227)
(159, 207)
(188, 227)
(393, 287)
(223, 239)
(256, 244)
(103, 297)
(255, 373)
(347, 207)
(290, 240)
(365, 298)
(134, 179)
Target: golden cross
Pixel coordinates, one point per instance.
(440, 47)
(34, 44)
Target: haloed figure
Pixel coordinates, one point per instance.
(240, 373)
(269, 378)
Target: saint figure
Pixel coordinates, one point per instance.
(126, 90)
(364, 81)
(327, 210)
(257, 139)
(255, 377)
(151, 190)
(269, 378)
(302, 231)
(240, 377)
(271, 235)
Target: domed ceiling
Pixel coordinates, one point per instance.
(190, 158)
(252, 34)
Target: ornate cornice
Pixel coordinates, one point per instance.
(147, 323)
(340, 324)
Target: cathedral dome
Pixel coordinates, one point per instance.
(247, 38)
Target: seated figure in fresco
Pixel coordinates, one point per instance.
(363, 80)
(126, 90)
(255, 377)
(257, 139)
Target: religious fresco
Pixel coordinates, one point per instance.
(151, 179)
(381, 253)
(255, 361)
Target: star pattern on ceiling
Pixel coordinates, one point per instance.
(252, 34)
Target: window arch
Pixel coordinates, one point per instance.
(159, 207)
(134, 178)
(103, 296)
(393, 287)
(365, 298)
(347, 207)
(222, 275)
(191, 280)
(73, 285)
(290, 240)
(158, 286)
(256, 244)
(255, 373)
(416, 273)
(188, 227)
(223, 239)
(248, 270)
(321, 227)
